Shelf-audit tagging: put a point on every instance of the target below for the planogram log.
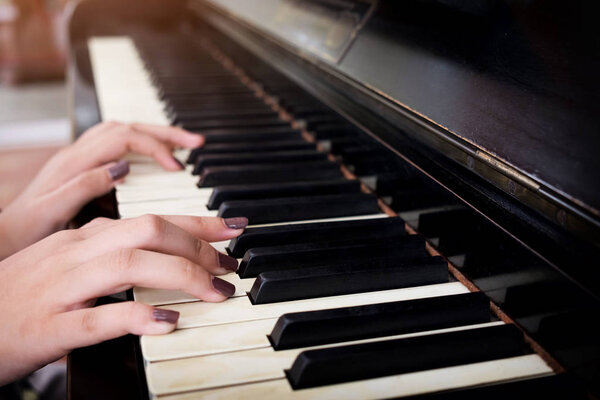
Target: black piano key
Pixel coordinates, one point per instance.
(250, 147)
(294, 97)
(281, 133)
(216, 107)
(304, 283)
(285, 189)
(307, 110)
(255, 130)
(388, 183)
(264, 211)
(224, 79)
(306, 255)
(269, 173)
(202, 90)
(234, 123)
(271, 157)
(420, 197)
(313, 328)
(269, 236)
(198, 85)
(212, 102)
(371, 360)
(334, 131)
(438, 223)
(165, 92)
(191, 118)
(209, 91)
(313, 122)
(337, 145)
(310, 112)
(361, 261)
(230, 112)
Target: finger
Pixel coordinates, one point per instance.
(211, 229)
(157, 234)
(64, 203)
(171, 134)
(118, 141)
(149, 146)
(123, 269)
(101, 127)
(97, 223)
(89, 326)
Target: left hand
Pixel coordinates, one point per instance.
(81, 172)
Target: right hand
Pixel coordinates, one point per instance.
(47, 290)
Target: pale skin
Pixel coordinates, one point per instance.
(47, 289)
(79, 173)
(53, 277)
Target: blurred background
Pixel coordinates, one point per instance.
(34, 121)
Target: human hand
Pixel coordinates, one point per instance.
(81, 172)
(46, 289)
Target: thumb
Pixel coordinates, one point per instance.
(89, 326)
(66, 201)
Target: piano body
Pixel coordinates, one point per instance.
(472, 126)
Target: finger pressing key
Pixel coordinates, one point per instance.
(158, 234)
(124, 269)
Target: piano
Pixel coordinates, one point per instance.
(421, 181)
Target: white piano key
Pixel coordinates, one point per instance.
(411, 384)
(242, 367)
(241, 309)
(123, 87)
(155, 297)
(207, 340)
(193, 342)
(155, 193)
(192, 206)
(314, 221)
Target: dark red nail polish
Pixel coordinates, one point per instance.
(236, 222)
(119, 170)
(162, 315)
(229, 263)
(224, 287)
(179, 163)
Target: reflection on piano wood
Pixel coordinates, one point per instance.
(334, 299)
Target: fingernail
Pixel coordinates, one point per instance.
(229, 263)
(162, 315)
(118, 170)
(236, 222)
(224, 287)
(179, 163)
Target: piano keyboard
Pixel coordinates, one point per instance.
(333, 299)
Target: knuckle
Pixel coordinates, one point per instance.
(89, 322)
(189, 270)
(199, 247)
(85, 182)
(97, 221)
(152, 226)
(124, 260)
(67, 236)
(111, 124)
